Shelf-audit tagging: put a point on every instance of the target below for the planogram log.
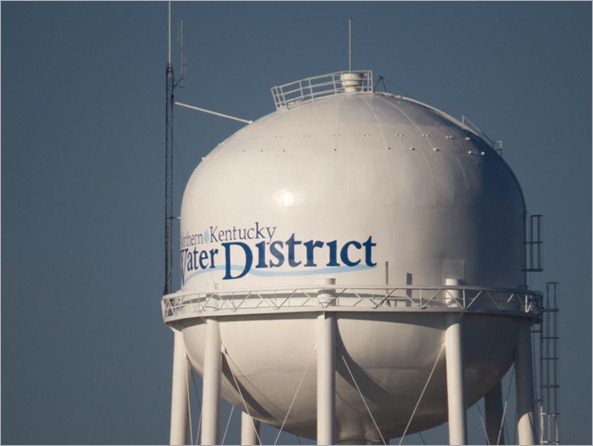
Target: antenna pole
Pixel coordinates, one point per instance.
(170, 100)
(169, 35)
(182, 57)
(350, 44)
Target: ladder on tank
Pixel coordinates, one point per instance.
(549, 359)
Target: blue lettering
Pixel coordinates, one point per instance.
(269, 253)
(344, 253)
(203, 257)
(212, 252)
(333, 253)
(291, 244)
(261, 255)
(311, 245)
(367, 251)
(277, 254)
(270, 232)
(213, 230)
(227, 258)
(190, 264)
(258, 230)
(195, 260)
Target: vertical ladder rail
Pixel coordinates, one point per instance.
(549, 363)
(535, 244)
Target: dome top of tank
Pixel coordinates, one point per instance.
(340, 113)
(346, 103)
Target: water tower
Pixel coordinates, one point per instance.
(353, 270)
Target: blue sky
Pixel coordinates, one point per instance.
(85, 355)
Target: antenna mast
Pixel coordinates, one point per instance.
(182, 59)
(350, 44)
(170, 99)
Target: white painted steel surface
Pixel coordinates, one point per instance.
(390, 354)
(344, 187)
(326, 379)
(179, 388)
(249, 430)
(454, 357)
(455, 380)
(399, 181)
(211, 384)
(526, 430)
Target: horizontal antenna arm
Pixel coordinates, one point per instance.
(181, 104)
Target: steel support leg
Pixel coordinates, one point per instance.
(494, 409)
(524, 379)
(249, 430)
(455, 380)
(211, 384)
(180, 382)
(326, 379)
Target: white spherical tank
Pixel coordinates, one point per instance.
(339, 187)
(390, 200)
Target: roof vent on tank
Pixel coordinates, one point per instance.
(352, 82)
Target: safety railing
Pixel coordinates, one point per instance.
(185, 305)
(317, 87)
